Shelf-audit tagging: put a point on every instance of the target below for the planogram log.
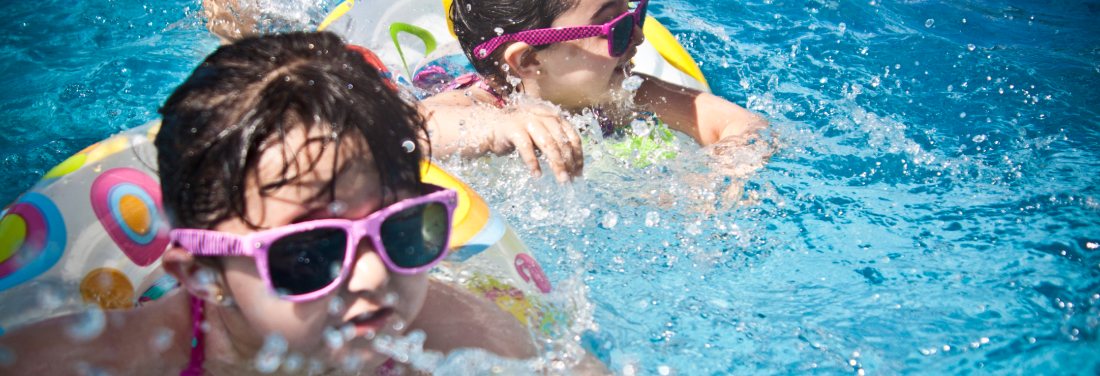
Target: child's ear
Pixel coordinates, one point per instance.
(521, 59)
(199, 280)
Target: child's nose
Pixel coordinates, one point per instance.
(369, 274)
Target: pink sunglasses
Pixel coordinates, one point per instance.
(307, 260)
(619, 33)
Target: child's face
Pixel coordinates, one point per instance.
(371, 300)
(580, 73)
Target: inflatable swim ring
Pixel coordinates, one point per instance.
(92, 232)
(387, 27)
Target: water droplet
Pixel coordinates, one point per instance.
(270, 356)
(929, 22)
(539, 213)
(641, 127)
(409, 146)
(162, 339)
(293, 363)
(842, 27)
(652, 219)
(609, 220)
(49, 298)
(390, 299)
(336, 306)
(347, 331)
(337, 208)
(351, 363)
(875, 81)
(664, 370)
(979, 139)
(88, 325)
(694, 228)
(334, 339)
(971, 47)
(962, 115)
(498, 30)
(1092, 245)
(83, 368)
(632, 83)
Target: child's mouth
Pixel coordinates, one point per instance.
(368, 324)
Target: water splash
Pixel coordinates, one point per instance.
(162, 339)
(270, 356)
(632, 83)
(87, 325)
(410, 350)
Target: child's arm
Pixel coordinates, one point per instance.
(465, 125)
(705, 117)
(229, 20)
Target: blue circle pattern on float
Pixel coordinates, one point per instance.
(45, 228)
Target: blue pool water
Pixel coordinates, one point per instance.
(933, 206)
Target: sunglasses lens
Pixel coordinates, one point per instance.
(306, 262)
(416, 236)
(621, 35)
(641, 12)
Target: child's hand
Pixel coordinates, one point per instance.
(459, 124)
(229, 19)
(533, 129)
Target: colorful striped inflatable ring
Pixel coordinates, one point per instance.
(92, 232)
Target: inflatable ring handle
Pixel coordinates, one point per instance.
(447, 16)
(423, 34)
(338, 12)
(671, 49)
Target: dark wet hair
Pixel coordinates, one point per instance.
(476, 21)
(246, 97)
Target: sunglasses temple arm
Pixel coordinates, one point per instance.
(209, 243)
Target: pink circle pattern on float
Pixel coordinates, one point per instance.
(41, 244)
(128, 205)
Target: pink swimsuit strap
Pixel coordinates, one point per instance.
(198, 351)
(470, 79)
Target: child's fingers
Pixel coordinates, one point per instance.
(526, 149)
(546, 141)
(576, 146)
(558, 132)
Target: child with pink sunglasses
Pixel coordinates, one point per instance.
(302, 231)
(576, 54)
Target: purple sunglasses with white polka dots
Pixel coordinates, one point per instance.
(619, 33)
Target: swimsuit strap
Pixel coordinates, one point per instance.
(198, 351)
(469, 79)
(606, 126)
